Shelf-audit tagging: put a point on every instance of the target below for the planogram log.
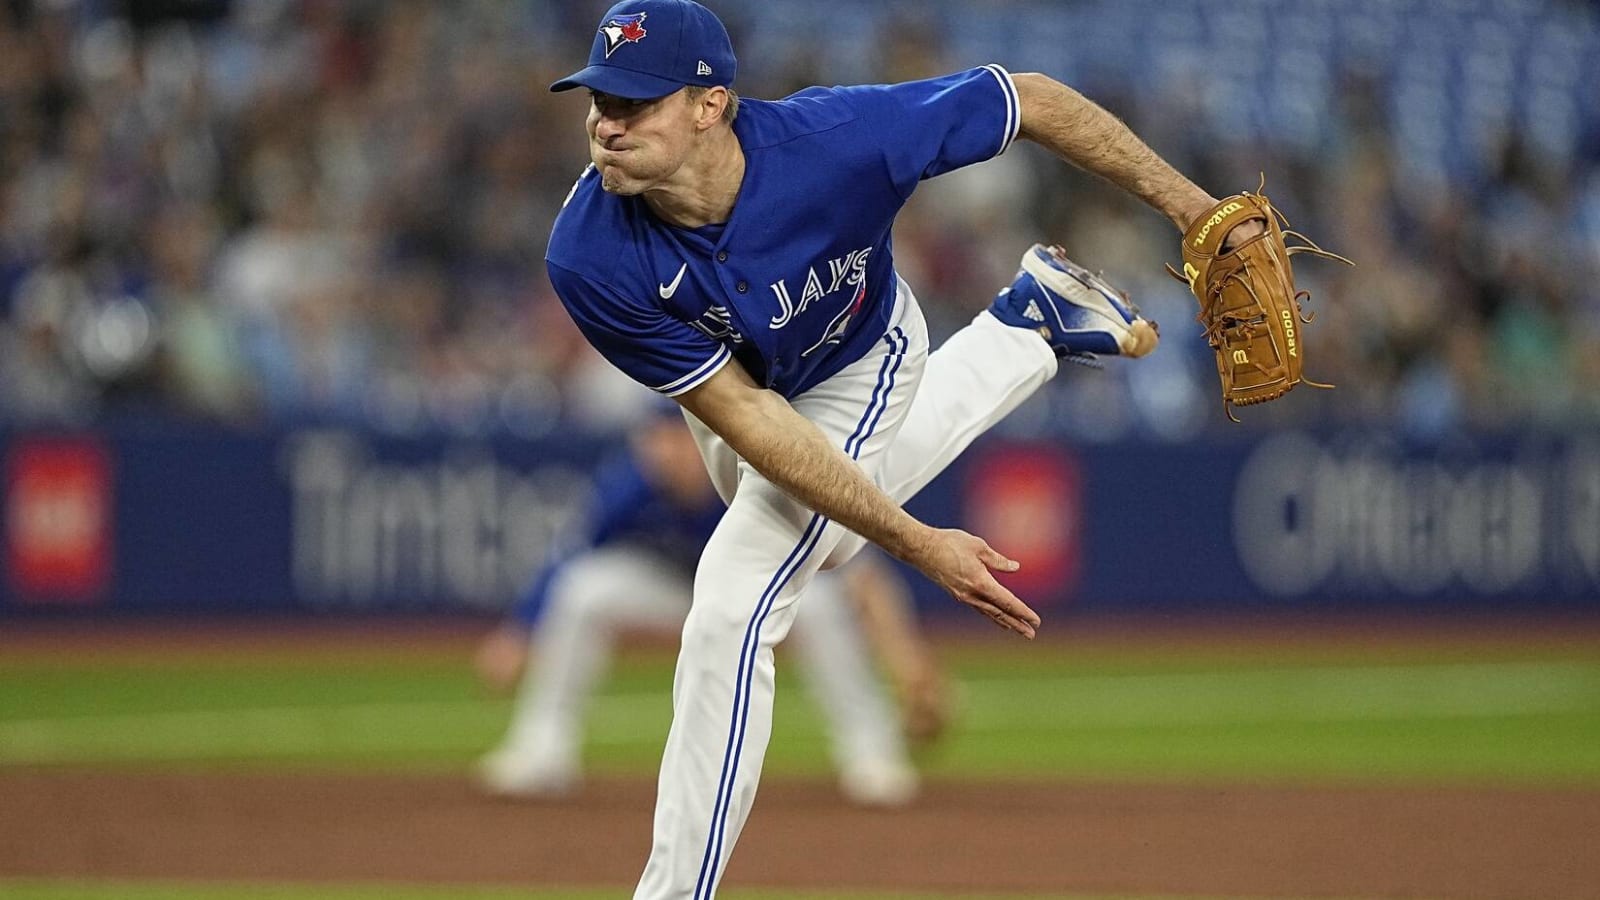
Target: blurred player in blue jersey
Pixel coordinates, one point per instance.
(631, 570)
(736, 256)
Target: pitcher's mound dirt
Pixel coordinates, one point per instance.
(1238, 841)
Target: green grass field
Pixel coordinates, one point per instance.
(1339, 713)
(1517, 717)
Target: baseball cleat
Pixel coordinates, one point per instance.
(514, 772)
(878, 784)
(1076, 311)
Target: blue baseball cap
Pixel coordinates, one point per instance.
(651, 48)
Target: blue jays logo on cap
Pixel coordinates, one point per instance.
(624, 29)
(690, 47)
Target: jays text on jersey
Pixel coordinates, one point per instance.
(800, 281)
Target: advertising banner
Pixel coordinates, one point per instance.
(340, 521)
(58, 521)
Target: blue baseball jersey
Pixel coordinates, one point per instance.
(800, 281)
(628, 509)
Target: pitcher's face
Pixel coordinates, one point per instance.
(638, 144)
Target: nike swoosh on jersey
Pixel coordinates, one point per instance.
(667, 290)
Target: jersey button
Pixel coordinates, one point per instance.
(742, 286)
(722, 256)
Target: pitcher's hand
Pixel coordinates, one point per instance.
(960, 563)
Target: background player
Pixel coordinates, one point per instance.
(631, 570)
(739, 260)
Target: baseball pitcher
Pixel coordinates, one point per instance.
(735, 255)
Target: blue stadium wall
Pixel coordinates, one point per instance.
(196, 520)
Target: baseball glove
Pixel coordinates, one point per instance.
(1248, 302)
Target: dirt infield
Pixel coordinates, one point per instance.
(1221, 841)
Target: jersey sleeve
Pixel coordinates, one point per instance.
(652, 347)
(926, 128)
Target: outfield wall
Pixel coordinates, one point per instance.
(332, 521)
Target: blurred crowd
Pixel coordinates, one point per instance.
(308, 211)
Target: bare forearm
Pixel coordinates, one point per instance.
(1079, 131)
(796, 456)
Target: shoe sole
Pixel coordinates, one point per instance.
(1134, 339)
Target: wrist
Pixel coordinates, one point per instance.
(913, 542)
(1191, 208)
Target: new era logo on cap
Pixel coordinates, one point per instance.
(703, 69)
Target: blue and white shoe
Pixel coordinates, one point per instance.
(1076, 311)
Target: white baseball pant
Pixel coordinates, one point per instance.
(903, 415)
